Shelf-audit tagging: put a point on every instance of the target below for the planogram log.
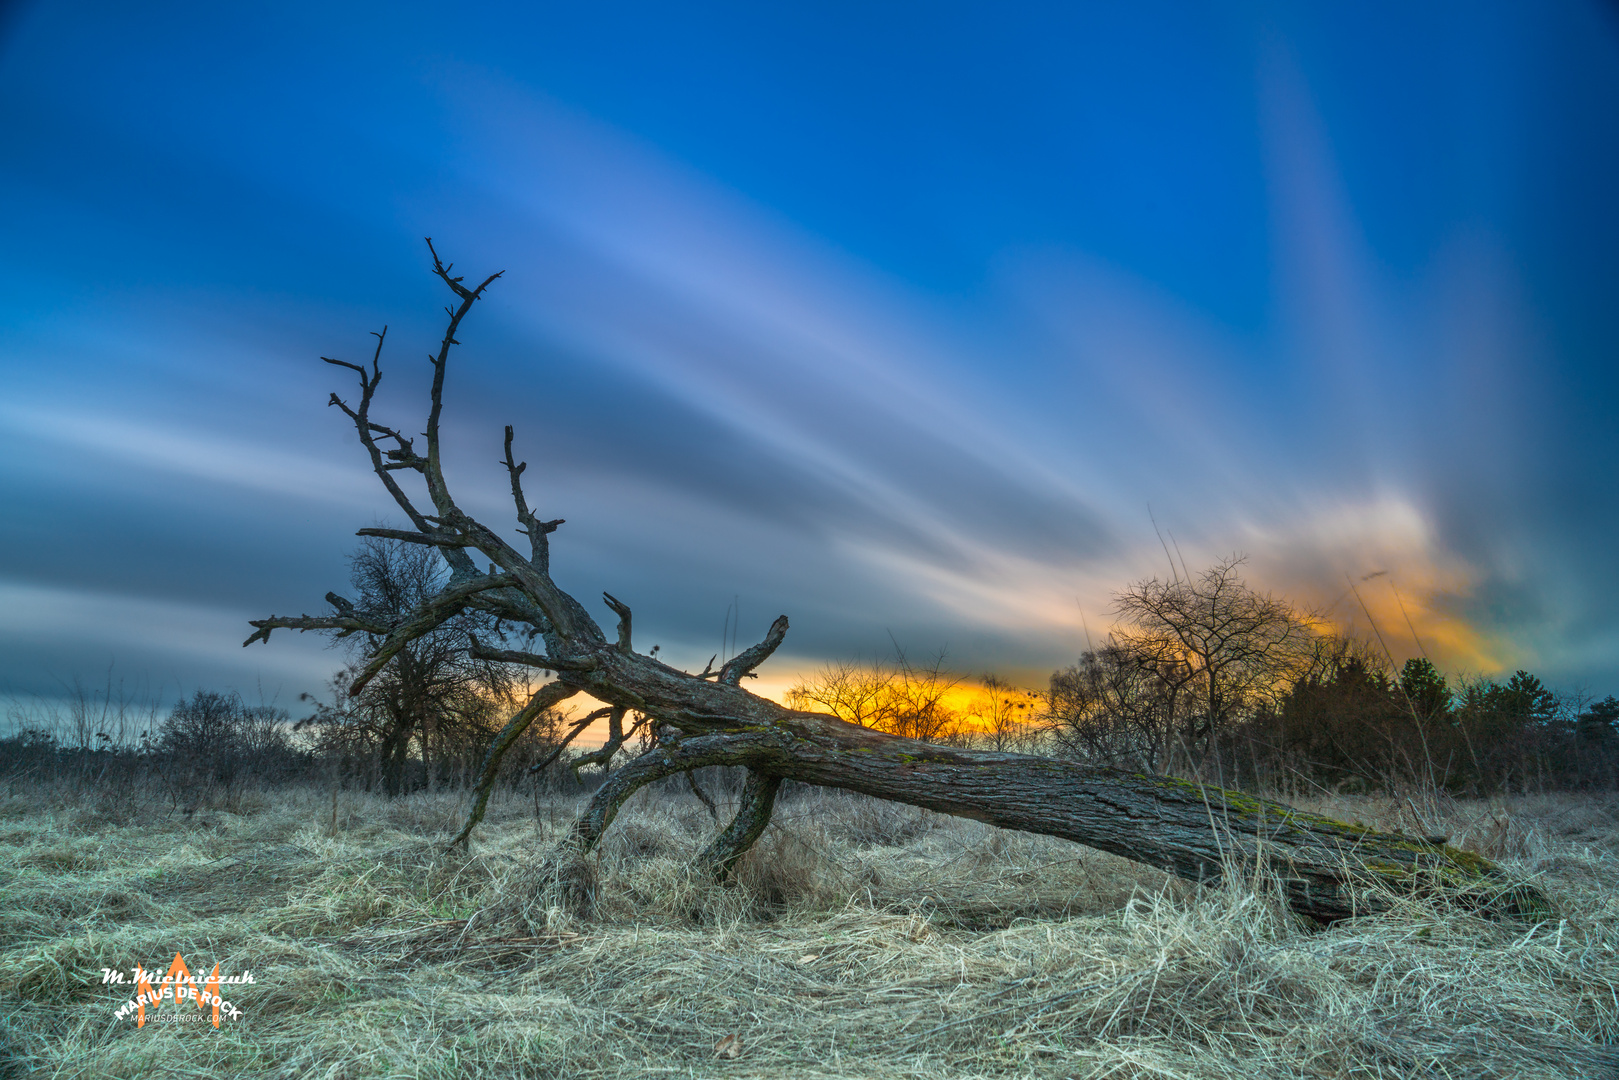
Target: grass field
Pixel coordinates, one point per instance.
(863, 940)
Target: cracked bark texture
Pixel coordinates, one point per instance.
(1194, 832)
(753, 811)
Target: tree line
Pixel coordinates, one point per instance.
(424, 723)
(1207, 676)
(1204, 676)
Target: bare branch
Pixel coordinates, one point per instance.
(702, 796)
(348, 620)
(538, 531)
(462, 291)
(615, 739)
(622, 610)
(546, 697)
(437, 489)
(744, 662)
(479, 651)
(573, 733)
(534, 577)
(362, 424)
(444, 606)
(450, 530)
(515, 470)
(431, 538)
(355, 367)
(347, 624)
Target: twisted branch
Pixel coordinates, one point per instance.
(348, 621)
(753, 811)
(538, 531)
(622, 610)
(480, 651)
(745, 661)
(433, 613)
(547, 697)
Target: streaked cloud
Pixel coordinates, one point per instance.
(233, 461)
(175, 645)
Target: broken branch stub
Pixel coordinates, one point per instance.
(1329, 869)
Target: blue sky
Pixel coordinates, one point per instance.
(893, 318)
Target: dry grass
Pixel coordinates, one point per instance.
(863, 940)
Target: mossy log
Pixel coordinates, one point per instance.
(1328, 869)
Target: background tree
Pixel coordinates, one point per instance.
(212, 742)
(856, 693)
(1002, 716)
(1425, 690)
(434, 695)
(900, 698)
(1190, 658)
(1503, 731)
(1599, 724)
(1345, 720)
(1231, 647)
(1117, 706)
(1597, 735)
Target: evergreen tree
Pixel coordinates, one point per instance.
(1600, 723)
(1425, 688)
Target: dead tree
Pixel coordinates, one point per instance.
(707, 718)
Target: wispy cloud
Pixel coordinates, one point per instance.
(234, 461)
(980, 501)
(182, 644)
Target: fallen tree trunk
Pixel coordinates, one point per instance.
(1328, 869)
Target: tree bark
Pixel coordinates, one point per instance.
(752, 815)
